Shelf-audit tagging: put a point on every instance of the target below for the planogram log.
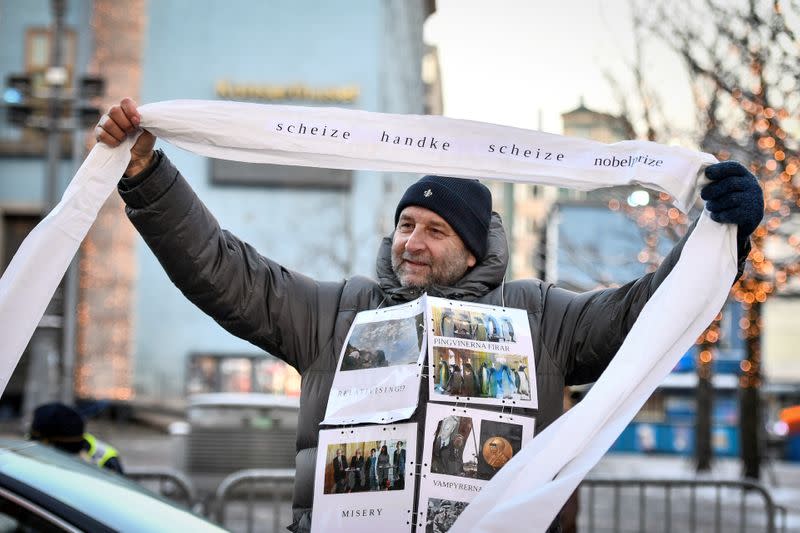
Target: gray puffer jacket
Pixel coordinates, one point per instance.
(305, 322)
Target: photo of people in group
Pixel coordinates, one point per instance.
(474, 325)
(455, 448)
(365, 466)
(500, 441)
(384, 343)
(477, 374)
(442, 514)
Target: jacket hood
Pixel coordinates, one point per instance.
(479, 280)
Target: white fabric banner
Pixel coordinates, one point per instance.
(557, 459)
(534, 485)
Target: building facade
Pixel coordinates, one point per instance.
(136, 331)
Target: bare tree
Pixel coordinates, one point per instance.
(743, 60)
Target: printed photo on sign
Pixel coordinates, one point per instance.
(442, 514)
(480, 354)
(480, 374)
(380, 365)
(365, 466)
(500, 441)
(475, 325)
(458, 450)
(364, 479)
(385, 343)
(455, 448)
(463, 449)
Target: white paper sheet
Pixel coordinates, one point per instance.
(480, 354)
(379, 370)
(355, 503)
(464, 448)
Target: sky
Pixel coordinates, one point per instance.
(506, 61)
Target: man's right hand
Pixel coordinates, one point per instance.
(123, 120)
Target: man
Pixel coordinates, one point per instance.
(446, 242)
(357, 469)
(62, 427)
(372, 470)
(399, 462)
(339, 472)
(452, 434)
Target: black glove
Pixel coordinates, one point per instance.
(734, 197)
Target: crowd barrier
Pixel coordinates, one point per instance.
(259, 499)
(687, 505)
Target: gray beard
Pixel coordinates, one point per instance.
(452, 273)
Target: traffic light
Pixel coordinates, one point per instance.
(21, 83)
(25, 109)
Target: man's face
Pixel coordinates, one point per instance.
(426, 251)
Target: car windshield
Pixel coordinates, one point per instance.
(94, 491)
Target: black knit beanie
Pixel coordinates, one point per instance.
(465, 204)
(60, 424)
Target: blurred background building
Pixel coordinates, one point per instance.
(137, 339)
(136, 335)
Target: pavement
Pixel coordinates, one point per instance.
(151, 446)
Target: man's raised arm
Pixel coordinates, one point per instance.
(249, 295)
(583, 332)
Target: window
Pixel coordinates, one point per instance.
(13, 230)
(18, 515)
(653, 409)
(252, 174)
(208, 373)
(37, 55)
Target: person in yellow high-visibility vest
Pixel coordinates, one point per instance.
(62, 427)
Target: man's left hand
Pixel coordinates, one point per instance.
(734, 197)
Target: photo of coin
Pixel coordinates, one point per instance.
(497, 451)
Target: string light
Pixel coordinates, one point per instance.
(776, 164)
(106, 265)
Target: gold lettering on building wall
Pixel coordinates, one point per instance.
(247, 91)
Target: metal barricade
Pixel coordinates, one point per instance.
(244, 486)
(169, 483)
(690, 505)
